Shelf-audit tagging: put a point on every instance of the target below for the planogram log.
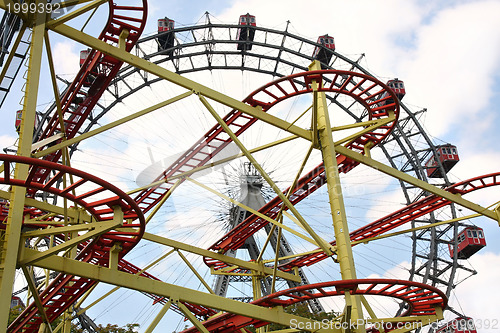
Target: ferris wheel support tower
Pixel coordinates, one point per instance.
(251, 196)
(111, 232)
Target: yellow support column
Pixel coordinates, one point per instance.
(327, 146)
(9, 252)
(257, 292)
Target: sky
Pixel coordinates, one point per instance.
(447, 54)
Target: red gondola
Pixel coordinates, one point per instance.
(469, 241)
(19, 117)
(166, 36)
(398, 87)
(83, 56)
(246, 33)
(324, 53)
(458, 325)
(15, 301)
(91, 77)
(448, 156)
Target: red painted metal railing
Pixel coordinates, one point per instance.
(420, 300)
(96, 73)
(95, 196)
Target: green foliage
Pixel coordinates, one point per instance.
(14, 312)
(109, 328)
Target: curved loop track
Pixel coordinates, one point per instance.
(94, 76)
(370, 93)
(98, 198)
(77, 103)
(421, 299)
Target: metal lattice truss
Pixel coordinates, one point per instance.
(92, 225)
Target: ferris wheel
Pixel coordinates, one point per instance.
(133, 159)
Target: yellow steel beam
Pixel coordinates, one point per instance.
(210, 165)
(60, 230)
(370, 311)
(367, 129)
(229, 260)
(191, 317)
(368, 123)
(276, 257)
(163, 200)
(116, 288)
(177, 79)
(221, 272)
(456, 198)
(279, 216)
(46, 141)
(12, 241)
(114, 255)
(70, 3)
(103, 227)
(373, 124)
(109, 126)
(79, 11)
(143, 284)
(158, 317)
(57, 98)
(195, 272)
(73, 213)
(266, 177)
(427, 226)
(364, 241)
(300, 225)
(259, 214)
(36, 296)
(340, 226)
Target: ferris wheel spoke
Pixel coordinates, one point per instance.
(448, 195)
(348, 89)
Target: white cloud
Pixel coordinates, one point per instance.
(448, 57)
(7, 141)
(452, 68)
(67, 58)
(477, 296)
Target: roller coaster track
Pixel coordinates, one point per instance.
(78, 102)
(96, 73)
(236, 237)
(421, 300)
(366, 90)
(65, 289)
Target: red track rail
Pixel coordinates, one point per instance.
(99, 199)
(370, 93)
(402, 216)
(365, 90)
(98, 70)
(354, 85)
(421, 300)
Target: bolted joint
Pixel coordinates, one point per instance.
(114, 255)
